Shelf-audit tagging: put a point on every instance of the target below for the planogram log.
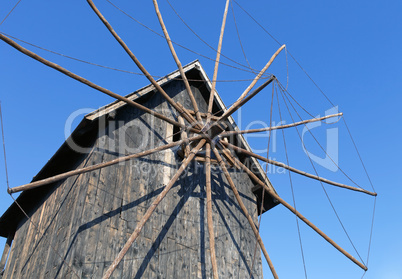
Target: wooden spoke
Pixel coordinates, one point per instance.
(137, 62)
(228, 156)
(243, 95)
(240, 103)
(244, 209)
(151, 209)
(85, 81)
(299, 215)
(280, 164)
(218, 55)
(228, 133)
(220, 121)
(176, 59)
(65, 175)
(209, 211)
(260, 73)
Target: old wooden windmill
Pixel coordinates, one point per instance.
(158, 184)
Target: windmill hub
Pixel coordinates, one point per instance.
(213, 130)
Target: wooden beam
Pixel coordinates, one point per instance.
(185, 147)
(228, 156)
(194, 123)
(151, 209)
(241, 102)
(209, 211)
(201, 159)
(261, 73)
(282, 165)
(137, 62)
(228, 133)
(299, 215)
(212, 161)
(244, 94)
(203, 114)
(65, 175)
(176, 59)
(87, 82)
(245, 211)
(218, 55)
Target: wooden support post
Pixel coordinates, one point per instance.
(87, 82)
(242, 101)
(176, 59)
(95, 167)
(136, 61)
(259, 74)
(218, 55)
(282, 165)
(244, 209)
(299, 215)
(228, 133)
(209, 211)
(151, 209)
(6, 251)
(193, 122)
(185, 147)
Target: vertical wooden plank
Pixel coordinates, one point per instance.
(108, 201)
(48, 215)
(111, 212)
(38, 237)
(230, 230)
(121, 238)
(94, 229)
(64, 224)
(129, 195)
(49, 228)
(16, 250)
(80, 229)
(119, 226)
(37, 240)
(94, 204)
(167, 250)
(6, 251)
(13, 255)
(30, 234)
(59, 227)
(75, 222)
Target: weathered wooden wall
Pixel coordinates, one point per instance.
(85, 222)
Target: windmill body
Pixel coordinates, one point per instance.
(79, 224)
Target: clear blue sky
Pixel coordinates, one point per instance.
(352, 50)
